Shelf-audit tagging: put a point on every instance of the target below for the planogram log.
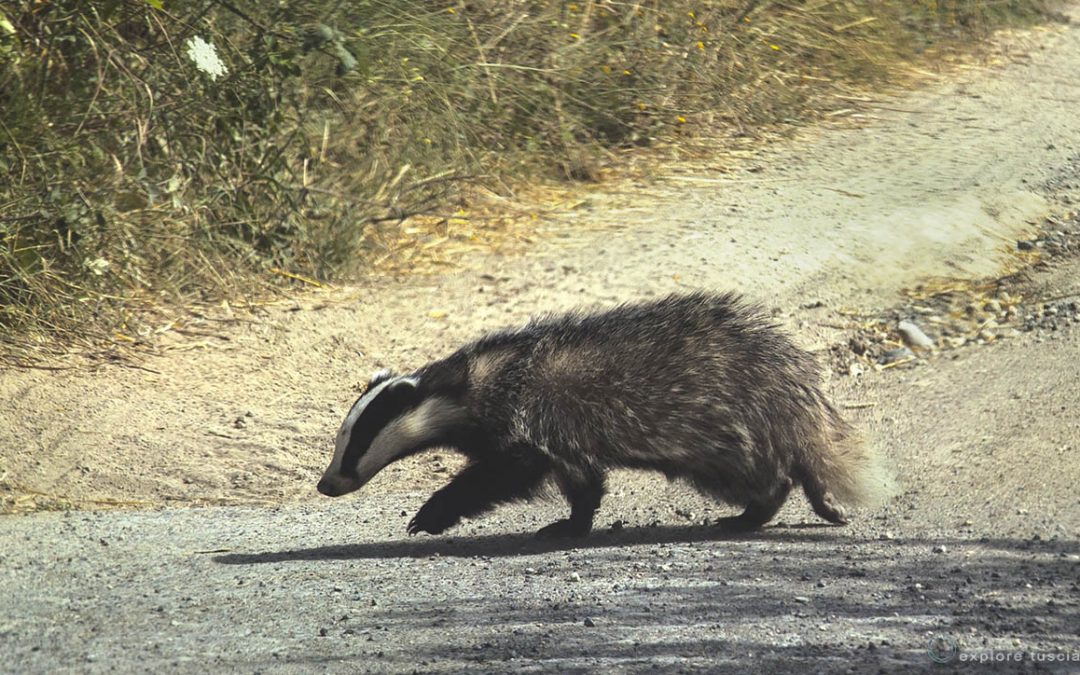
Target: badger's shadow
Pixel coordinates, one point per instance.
(506, 545)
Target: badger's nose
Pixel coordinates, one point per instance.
(335, 485)
(325, 487)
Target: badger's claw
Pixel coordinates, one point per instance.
(433, 517)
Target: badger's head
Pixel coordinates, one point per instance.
(393, 418)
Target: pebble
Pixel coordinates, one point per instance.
(913, 336)
(894, 355)
(589, 623)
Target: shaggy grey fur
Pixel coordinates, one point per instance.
(700, 387)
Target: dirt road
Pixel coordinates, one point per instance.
(980, 549)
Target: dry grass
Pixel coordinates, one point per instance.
(138, 185)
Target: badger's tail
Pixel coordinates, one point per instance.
(841, 469)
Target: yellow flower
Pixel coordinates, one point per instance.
(774, 48)
(626, 72)
(575, 36)
(605, 69)
(680, 119)
(700, 45)
(450, 9)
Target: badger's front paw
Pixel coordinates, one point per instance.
(434, 517)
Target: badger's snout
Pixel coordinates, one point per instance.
(337, 485)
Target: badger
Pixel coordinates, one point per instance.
(701, 387)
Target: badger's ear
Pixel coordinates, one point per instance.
(404, 389)
(378, 377)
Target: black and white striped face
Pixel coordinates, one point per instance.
(389, 421)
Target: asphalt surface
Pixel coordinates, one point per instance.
(337, 587)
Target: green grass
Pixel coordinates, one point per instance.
(135, 183)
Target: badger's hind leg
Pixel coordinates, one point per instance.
(584, 493)
(759, 510)
(823, 501)
(478, 488)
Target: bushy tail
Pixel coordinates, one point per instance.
(842, 465)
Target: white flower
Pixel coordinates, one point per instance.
(205, 57)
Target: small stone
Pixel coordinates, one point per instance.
(895, 355)
(1025, 245)
(589, 623)
(574, 576)
(913, 336)
(801, 599)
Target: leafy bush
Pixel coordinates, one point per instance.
(156, 152)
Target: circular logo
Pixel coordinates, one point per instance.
(942, 649)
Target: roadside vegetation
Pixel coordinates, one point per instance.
(158, 155)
